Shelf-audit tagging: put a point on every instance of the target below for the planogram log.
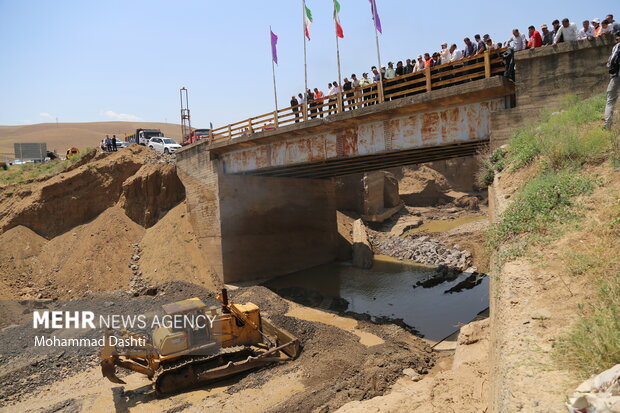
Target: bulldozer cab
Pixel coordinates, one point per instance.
(189, 330)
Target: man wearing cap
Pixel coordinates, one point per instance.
(613, 63)
(568, 32)
(390, 73)
(547, 36)
(419, 64)
(596, 24)
(445, 53)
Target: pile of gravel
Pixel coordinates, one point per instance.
(424, 250)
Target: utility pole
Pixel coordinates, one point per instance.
(186, 124)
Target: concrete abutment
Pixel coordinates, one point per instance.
(252, 227)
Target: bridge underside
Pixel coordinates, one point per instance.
(374, 162)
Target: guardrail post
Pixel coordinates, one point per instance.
(250, 129)
(427, 74)
(304, 109)
(487, 64)
(275, 118)
(340, 103)
(229, 132)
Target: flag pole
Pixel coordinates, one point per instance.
(273, 69)
(303, 21)
(340, 108)
(374, 20)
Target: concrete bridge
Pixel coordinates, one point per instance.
(262, 203)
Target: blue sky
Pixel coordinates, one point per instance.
(87, 61)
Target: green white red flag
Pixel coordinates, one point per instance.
(339, 31)
(307, 21)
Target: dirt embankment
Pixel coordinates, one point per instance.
(77, 232)
(538, 297)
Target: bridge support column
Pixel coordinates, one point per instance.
(254, 227)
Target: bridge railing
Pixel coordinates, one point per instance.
(485, 65)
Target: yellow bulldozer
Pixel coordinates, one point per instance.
(236, 339)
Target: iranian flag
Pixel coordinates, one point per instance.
(339, 31)
(307, 21)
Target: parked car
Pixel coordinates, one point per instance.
(120, 144)
(165, 145)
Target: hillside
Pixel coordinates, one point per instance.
(80, 135)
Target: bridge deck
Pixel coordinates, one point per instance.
(440, 124)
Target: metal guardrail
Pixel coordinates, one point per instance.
(472, 68)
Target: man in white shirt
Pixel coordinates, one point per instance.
(606, 28)
(520, 42)
(586, 32)
(455, 54)
(568, 32)
(615, 26)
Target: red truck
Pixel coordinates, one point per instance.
(196, 135)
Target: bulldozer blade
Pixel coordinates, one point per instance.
(108, 369)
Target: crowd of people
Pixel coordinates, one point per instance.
(357, 92)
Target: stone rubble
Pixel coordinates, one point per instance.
(424, 250)
(137, 284)
(154, 157)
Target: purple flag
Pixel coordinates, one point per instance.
(375, 15)
(274, 50)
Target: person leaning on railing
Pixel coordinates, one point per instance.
(376, 78)
(535, 38)
(547, 36)
(302, 103)
(586, 31)
(311, 103)
(355, 82)
(365, 83)
(567, 32)
(318, 101)
(520, 43)
(294, 103)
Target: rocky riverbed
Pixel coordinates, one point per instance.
(424, 250)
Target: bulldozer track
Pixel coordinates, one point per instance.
(174, 368)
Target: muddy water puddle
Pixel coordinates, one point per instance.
(444, 225)
(387, 290)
